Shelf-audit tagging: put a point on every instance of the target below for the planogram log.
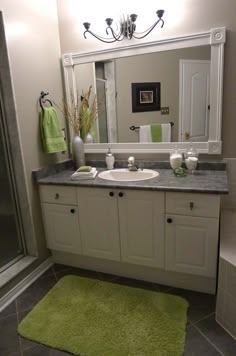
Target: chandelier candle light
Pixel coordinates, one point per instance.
(127, 27)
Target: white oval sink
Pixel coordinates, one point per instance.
(124, 175)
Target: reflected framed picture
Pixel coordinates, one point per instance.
(146, 97)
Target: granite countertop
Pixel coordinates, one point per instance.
(202, 181)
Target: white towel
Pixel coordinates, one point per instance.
(145, 133)
(84, 175)
(166, 132)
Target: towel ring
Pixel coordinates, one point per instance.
(42, 100)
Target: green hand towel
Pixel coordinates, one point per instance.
(156, 132)
(51, 133)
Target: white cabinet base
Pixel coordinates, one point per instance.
(173, 279)
(191, 245)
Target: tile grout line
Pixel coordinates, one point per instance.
(17, 318)
(6, 316)
(205, 317)
(54, 273)
(210, 342)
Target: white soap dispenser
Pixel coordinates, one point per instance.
(110, 159)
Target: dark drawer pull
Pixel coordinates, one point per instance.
(191, 205)
(72, 211)
(121, 194)
(111, 194)
(169, 220)
(56, 196)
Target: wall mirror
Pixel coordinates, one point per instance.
(190, 72)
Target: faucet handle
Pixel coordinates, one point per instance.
(131, 160)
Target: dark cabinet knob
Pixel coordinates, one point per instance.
(111, 194)
(72, 211)
(56, 196)
(121, 194)
(169, 220)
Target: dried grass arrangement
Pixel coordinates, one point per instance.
(81, 117)
(87, 113)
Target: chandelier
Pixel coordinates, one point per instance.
(126, 28)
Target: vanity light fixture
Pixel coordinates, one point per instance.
(127, 27)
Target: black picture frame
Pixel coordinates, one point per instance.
(146, 96)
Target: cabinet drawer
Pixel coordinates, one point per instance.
(204, 205)
(58, 194)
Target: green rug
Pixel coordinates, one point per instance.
(90, 317)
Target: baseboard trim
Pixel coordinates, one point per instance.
(144, 273)
(10, 296)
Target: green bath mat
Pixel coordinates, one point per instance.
(90, 317)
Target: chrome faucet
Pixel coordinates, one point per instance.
(131, 165)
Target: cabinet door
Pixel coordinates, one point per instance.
(141, 216)
(99, 222)
(191, 245)
(61, 224)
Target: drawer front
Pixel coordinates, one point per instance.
(58, 194)
(204, 205)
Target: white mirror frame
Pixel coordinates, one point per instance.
(214, 37)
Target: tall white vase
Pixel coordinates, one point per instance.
(89, 138)
(77, 147)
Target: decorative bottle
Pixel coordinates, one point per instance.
(77, 148)
(191, 159)
(176, 159)
(110, 159)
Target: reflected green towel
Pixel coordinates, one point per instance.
(156, 132)
(51, 133)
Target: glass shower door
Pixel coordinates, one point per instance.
(11, 248)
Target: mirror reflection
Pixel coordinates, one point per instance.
(183, 91)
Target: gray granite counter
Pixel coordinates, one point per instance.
(202, 181)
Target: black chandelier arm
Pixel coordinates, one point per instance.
(102, 39)
(127, 28)
(150, 29)
(116, 37)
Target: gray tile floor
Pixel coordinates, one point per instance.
(204, 336)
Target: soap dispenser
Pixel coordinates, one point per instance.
(110, 159)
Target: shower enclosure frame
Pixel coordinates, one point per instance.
(14, 149)
(13, 191)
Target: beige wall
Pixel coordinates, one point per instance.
(160, 67)
(34, 52)
(193, 16)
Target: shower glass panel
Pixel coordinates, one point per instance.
(11, 247)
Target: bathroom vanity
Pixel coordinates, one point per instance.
(163, 230)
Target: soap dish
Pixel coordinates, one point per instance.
(180, 172)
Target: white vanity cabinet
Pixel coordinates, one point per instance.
(164, 237)
(98, 213)
(141, 220)
(192, 224)
(60, 217)
(122, 225)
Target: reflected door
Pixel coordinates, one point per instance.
(194, 100)
(10, 237)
